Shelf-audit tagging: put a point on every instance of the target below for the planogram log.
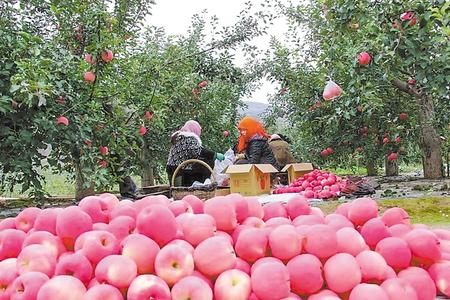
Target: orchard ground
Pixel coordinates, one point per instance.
(426, 201)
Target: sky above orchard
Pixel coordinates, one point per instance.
(175, 16)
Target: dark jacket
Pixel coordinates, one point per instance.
(258, 151)
(281, 152)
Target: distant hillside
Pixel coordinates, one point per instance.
(254, 109)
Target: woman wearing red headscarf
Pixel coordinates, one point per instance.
(253, 146)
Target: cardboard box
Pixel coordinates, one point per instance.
(250, 180)
(222, 191)
(297, 170)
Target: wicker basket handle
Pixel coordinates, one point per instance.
(189, 161)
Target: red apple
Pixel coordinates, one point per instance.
(403, 116)
(96, 245)
(8, 223)
(103, 150)
(107, 55)
(89, 77)
(342, 273)
(148, 115)
(70, 224)
(96, 208)
(62, 120)
(392, 156)
(44, 238)
(214, 256)
(203, 84)
(26, 218)
(164, 225)
(350, 241)
(305, 274)
(8, 273)
(102, 163)
(121, 227)
(364, 58)
(226, 133)
(60, 100)
(411, 81)
(142, 130)
(270, 281)
(195, 91)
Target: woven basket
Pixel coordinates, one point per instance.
(204, 193)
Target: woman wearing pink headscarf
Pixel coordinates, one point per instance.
(186, 144)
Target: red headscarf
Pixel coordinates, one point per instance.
(253, 127)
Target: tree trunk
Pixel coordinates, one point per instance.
(80, 190)
(391, 167)
(147, 176)
(372, 169)
(430, 142)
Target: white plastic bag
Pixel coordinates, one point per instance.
(220, 166)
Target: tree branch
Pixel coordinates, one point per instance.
(405, 87)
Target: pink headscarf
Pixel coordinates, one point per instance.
(192, 126)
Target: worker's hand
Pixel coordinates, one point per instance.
(239, 156)
(220, 156)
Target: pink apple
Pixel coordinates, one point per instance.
(89, 77)
(163, 227)
(195, 203)
(251, 244)
(124, 208)
(442, 234)
(116, 270)
(173, 263)
(440, 273)
(270, 281)
(338, 221)
(96, 245)
(179, 207)
(198, 228)
(350, 241)
(241, 206)
(107, 55)
(8, 223)
(8, 273)
(62, 120)
(343, 209)
(274, 209)
(285, 242)
(26, 286)
(424, 246)
(308, 220)
(121, 227)
(223, 211)
(342, 273)
(373, 231)
(214, 256)
(321, 241)
(421, 281)
(204, 278)
(75, 264)
(100, 226)
(264, 260)
(242, 265)
(362, 210)
(36, 258)
(62, 288)
(399, 230)
(193, 288)
(96, 208)
(297, 206)
(183, 244)
(324, 295)
(46, 239)
(292, 296)
(255, 208)
(254, 222)
(305, 273)
(70, 224)
(111, 200)
(226, 133)
(103, 291)
(232, 285)
(26, 218)
(399, 289)
(142, 250)
(277, 221)
(366, 291)
(46, 220)
(148, 287)
(11, 241)
(395, 251)
(140, 204)
(373, 266)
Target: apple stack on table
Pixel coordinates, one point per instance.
(229, 247)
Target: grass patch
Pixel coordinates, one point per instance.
(427, 210)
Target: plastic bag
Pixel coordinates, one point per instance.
(220, 166)
(331, 91)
